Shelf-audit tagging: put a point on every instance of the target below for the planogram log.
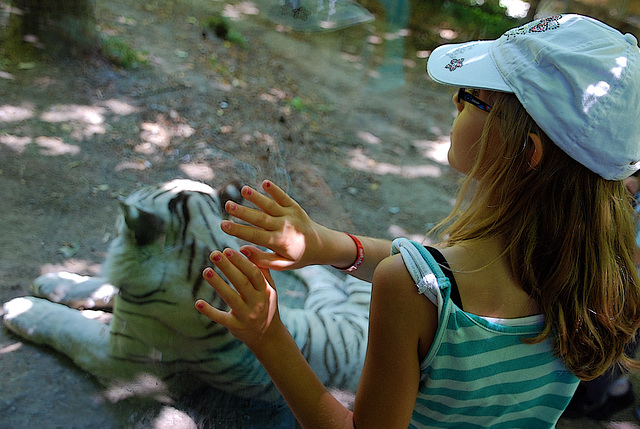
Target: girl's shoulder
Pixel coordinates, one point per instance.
(481, 271)
(391, 277)
(397, 304)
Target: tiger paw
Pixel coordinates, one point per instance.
(19, 315)
(74, 290)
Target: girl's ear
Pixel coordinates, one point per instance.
(536, 155)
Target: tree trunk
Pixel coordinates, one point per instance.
(533, 9)
(55, 24)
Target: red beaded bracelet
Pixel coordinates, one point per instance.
(359, 257)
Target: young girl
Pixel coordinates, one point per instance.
(533, 286)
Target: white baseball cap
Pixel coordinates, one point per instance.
(578, 78)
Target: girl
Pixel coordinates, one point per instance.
(533, 286)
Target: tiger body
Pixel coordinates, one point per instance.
(165, 236)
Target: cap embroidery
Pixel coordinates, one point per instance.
(454, 64)
(540, 26)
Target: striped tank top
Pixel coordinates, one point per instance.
(478, 373)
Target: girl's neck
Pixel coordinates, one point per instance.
(485, 281)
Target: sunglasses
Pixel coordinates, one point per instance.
(463, 95)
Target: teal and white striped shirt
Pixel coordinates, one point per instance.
(478, 372)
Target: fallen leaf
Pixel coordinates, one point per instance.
(5, 75)
(69, 249)
(181, 54)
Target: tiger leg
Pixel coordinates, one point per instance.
(68, 331)
(74, 290)
(334, 344)
(359, 293)
(331, 330)
(86, 341)
(325, 288)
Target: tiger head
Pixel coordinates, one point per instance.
(164, 237)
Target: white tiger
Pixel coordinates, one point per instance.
(165, 235)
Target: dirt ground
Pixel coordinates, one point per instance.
(354, 131)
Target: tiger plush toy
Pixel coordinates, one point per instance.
(153, 275)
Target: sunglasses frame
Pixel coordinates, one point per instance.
(463, 95)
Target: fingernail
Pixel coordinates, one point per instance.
(228, 252)
(208, 273)
(216, 257)
(267, 184)
(248, 190)
(245, 252)
(225, 224)
(232, 206)
(199, 305)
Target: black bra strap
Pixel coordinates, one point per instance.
(440, 259)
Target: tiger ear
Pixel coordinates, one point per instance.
(230, 192)
(146, 227)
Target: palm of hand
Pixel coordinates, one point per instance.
(253, 300)
(280, 225)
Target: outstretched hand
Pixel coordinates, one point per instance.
(281, 225)
(254, 303)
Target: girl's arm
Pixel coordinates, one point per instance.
(397, 340)
(402, 325)
(254, 319)
(280, 224)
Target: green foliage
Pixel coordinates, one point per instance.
(221, 27)
(469, 19)
(122, 54)
(306, 105)
(296, 103)
(480, 19)
(12, 45)
(237, 38)
(4, 62)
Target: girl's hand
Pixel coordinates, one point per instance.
(254, 303)
(281, 225)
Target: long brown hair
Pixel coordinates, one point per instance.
(568, 233)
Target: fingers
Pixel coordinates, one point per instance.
(280, 196)
(279, 224)
(270, 217)
(267, 204)
(245, 276)
(218, 316)
(226, 292)
(267, 275)
(247, 279)
(266, 260)
(264, 218)
(271, 204)
(259, 236)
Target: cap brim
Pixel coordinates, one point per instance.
(466, 65)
